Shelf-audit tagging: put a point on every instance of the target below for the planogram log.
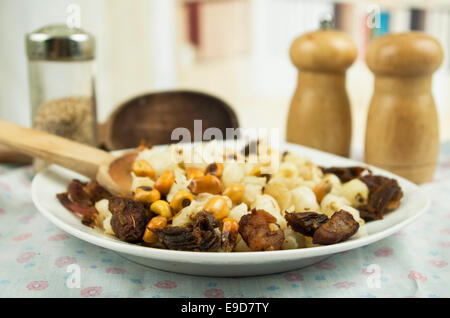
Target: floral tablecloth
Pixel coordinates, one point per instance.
(36, 259)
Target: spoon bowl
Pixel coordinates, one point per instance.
(113, 173)
(116, 177)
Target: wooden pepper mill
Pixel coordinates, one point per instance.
(319, 114)
(402, 133)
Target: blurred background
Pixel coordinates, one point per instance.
(237, 50)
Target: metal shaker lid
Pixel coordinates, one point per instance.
(58, 42)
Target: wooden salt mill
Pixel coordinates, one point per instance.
(402, 133)
(319, 114)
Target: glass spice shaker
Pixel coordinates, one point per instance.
(61, 83)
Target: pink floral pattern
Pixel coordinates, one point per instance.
(384, 252)
(416, 276)
(293, 277)
(366, 271)
(214, 293)
(4, 187)
(26, 218)
(64, 261)
(344, 285)
(166, 284)
(91, 291)
(25, 257)
(21, 237)
(438, 263)
(115, 270)
(37, 285)
(58, 237)
(325, 265)
(2, 212)
(445, 231)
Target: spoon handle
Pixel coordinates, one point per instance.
(69, 154)
(7, 155)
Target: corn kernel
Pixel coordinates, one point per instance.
(162, 208)
(235, 192)
(142, 168)
(146, 195)
(215, 169)
(194, 172)
(210, 184)
(165, 182)
(158, 222)
(180, 200)
(218, 207)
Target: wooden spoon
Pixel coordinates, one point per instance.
(113, 173)
(153, 117)
(7, 155)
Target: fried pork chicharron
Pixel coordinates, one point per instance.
(260, 232)
(323, 230)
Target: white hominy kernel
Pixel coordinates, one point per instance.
(362, 231)
(269, 204)
(141, 182)
(233, 172)
(334, 181)
(184, 216)
(332, 203)
(241, 246)
(238, 211)
(304, 199)
(355, 191)
(104, 216)
(287, 170)
(159, 159)
(292, 240)
(279, 191)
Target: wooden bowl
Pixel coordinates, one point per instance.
(154, 116)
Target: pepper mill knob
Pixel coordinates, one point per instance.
(404, 54)
(319, 114)
(402, 133)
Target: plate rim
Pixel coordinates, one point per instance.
(237, 257)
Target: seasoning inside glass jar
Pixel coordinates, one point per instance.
(61, 83)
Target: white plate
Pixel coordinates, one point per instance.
(54, 180)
